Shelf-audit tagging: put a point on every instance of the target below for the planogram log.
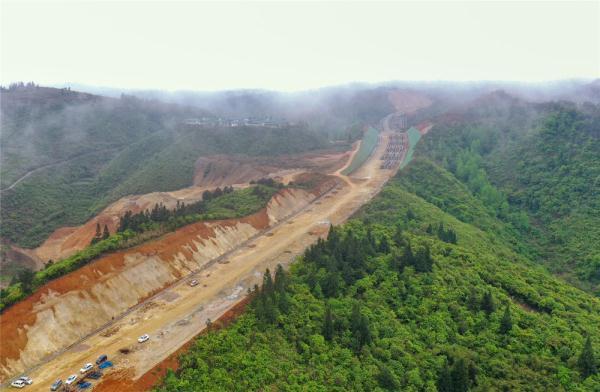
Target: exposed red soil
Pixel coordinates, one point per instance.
(210, 172)
(16, 319)
(408, 101)
(424, 127)
(66, 241)
(221, 170)
(122, 381)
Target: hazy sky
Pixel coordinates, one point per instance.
(291, 46)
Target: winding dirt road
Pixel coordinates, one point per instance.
(180, 312)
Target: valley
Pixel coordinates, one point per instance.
(299, 196)
(171, 311)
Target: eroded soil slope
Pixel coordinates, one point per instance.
(221, 170)
(211, 172)
(408, 101)
(69, 308)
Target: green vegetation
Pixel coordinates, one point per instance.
(384, 304)
(137, 228)
(368, 144)
(539, 173)
(93, 150)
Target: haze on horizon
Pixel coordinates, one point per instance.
(295, 46)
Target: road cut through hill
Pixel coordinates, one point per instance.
(174, 314)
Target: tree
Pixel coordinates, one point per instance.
(444, 382)
(387, 379)
(487, 303)
(267, 286)
(328, 324)
(280, 280)
(587, 360)
(407, 258)
(423, 261)
(398, 238)
(440, 231)
(98, 235)
(25, 277)
(384, 245)
(105, 233)
(359, 325)
(206, 195)
(331, 284)
(459, 376)
(473, 300)
(270, 310)
(506, 321)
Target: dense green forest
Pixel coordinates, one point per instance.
(91, 150)
(407, 297)
(537, 168)
(137, 228)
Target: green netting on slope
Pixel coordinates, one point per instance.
(413, 137)
(366, 148)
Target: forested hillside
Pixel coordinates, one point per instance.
(536, 168)
(424, 291)
(84, 151)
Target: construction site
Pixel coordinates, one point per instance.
(171, 288)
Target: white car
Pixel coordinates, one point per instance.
(86, 368)
(18, 384)
(26, 380)
(193, 283)
(71, 379)
(143, 338)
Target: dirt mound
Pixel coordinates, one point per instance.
(67, 240)
(225, 170)
(221, 170)
(408, 101)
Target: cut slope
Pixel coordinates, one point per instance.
(210, 172)
(52, 318)
(395, 327)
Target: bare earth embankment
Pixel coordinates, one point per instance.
(103, 307)
(172, 317)
(210, 173)
(67, 309)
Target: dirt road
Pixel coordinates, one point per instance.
(179, 313)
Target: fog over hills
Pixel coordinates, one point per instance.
(300, 196)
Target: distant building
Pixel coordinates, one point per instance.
(207, 122)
